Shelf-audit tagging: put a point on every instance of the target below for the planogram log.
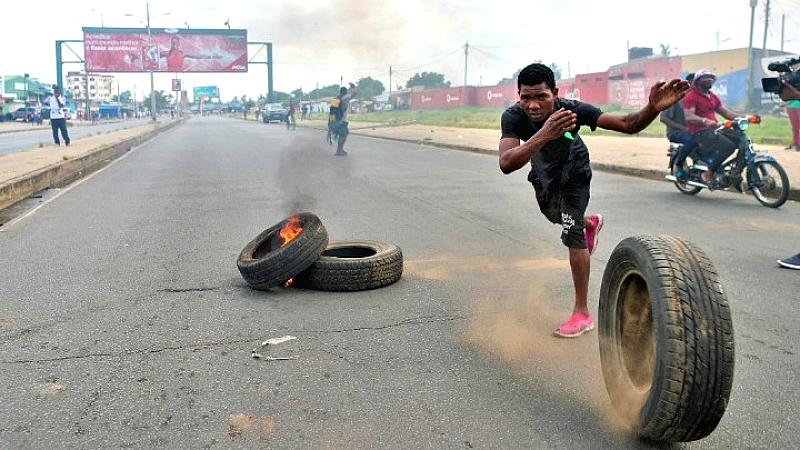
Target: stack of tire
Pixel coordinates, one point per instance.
(311, 261)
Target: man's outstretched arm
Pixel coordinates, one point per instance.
(662, 96)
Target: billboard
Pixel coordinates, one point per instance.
(164, 50)
(204, 92)
(176, 84)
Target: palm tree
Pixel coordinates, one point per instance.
(666, 50)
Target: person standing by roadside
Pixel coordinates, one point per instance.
(790, 93)
(559, 160)
(57, 120)
(793, 111)
(341, 124)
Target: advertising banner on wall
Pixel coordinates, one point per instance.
(164, 50)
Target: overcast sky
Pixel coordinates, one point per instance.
(319, 42)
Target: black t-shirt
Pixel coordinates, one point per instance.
(558, 159)
(674, 112)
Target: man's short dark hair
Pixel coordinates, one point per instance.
(342, 90)
(534, 74)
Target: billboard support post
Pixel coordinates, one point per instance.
(152, 85)
(268, 45)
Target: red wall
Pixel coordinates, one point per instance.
(629, 84)
(500, 95)
(439, 98)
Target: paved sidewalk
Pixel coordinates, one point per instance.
(638, 156)
(632, 155)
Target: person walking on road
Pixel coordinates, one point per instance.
(559, 159)
(57, 119)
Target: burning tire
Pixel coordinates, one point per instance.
(282, 251)
(666, 338)
(354, 266)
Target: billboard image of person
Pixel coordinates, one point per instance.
(164, 50)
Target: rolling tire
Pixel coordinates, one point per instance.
(265, 264)
(354, 266)
(666, 338)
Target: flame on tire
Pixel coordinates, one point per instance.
(290, 230)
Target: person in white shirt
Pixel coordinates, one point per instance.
(57, 120)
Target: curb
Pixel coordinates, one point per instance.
(64, 172)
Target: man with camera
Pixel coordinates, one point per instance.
(786, 86)
(788, 93)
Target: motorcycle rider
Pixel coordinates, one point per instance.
(700, 108)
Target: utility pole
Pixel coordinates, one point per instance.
(766, 28)
(783, 28)
(86, 94)
(749, 86)
(466, 56)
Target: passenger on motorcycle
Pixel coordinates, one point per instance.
(700, 108)
(677, 131)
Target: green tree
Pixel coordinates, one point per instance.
(368, 88)
(430, 80)
(162, 100)
(666, 49)
(556, 71)
(323, 92)
(298, 94)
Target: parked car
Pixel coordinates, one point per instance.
(23, 113)
(274, 111)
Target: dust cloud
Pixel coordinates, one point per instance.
(512, 322)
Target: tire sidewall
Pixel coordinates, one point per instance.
(289, 260)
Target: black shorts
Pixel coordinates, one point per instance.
(339, 128)
(565, 203)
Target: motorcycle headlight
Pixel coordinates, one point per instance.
(743, 124)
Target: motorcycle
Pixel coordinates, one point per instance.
(747, 169)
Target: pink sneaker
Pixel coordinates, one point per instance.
(576, 325)
(593, 232)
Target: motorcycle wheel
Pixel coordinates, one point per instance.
(681, 185)
(773, 190)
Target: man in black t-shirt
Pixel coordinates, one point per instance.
(560, 171)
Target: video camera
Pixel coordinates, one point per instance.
(785, 69)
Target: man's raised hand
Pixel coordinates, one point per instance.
(664, 94)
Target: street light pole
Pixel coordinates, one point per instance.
(152, 84)
(753, 4)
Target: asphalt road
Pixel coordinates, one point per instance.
(43, 135)
(124, 321)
